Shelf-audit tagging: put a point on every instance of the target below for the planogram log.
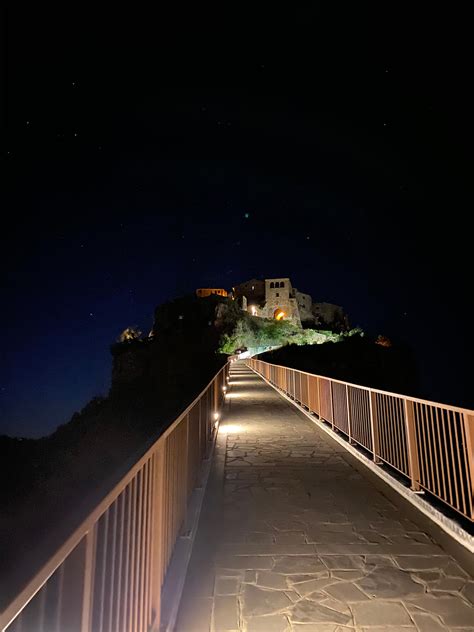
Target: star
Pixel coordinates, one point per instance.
(247, 215)
(27, 122)
(75, 134)
(91, 314)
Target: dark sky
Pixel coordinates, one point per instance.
(144, 156)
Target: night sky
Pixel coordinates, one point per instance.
(143, 157)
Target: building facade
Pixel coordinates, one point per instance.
(277, 298)
(202, 292)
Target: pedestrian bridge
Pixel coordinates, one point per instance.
(278, 501)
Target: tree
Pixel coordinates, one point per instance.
(129, 334)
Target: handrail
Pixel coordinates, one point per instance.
(378, 390)
(429, 443)
(120, 552)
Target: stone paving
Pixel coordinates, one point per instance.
(293, 538)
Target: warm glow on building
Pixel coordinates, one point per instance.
(279, 314)
(202, 292)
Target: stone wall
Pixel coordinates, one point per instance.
(305, 303)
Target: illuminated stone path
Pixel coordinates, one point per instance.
(293, 538)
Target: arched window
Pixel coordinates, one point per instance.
(272, 284)
(282, 284)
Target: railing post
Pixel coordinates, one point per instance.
(88, 587)
(186, 478)
(349, 420)
(157, 535)
(332, 404)
(374, 426)
(413, 463)
(318, 387)
(469, 433)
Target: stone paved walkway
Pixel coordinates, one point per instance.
(292, 538)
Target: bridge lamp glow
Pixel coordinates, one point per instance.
(224, 388)
(216, 416)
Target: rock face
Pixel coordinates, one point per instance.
(330, 316)
(130, 361)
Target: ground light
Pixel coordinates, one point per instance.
(230, 428)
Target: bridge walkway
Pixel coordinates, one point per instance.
(293, 538)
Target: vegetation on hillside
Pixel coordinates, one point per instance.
(251, 332)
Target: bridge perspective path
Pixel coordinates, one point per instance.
(293, 538)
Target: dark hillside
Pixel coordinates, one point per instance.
(153, 380)
(355, 359)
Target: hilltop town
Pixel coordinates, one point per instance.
(277, 298)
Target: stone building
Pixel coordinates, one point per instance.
(277, 298)
(202, 292)
(305, 306)
(272, 298)
(253, 291)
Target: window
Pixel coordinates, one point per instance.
(277, 294)
(272, 284)
(282, 284)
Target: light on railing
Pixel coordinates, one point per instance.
(224, 388)
(216, 416)
(216, 424)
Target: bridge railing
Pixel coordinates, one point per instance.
(108, 575)
(431, 444)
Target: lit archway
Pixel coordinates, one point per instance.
(278, 314)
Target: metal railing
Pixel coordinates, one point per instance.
(431, 444)
(107, 577)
